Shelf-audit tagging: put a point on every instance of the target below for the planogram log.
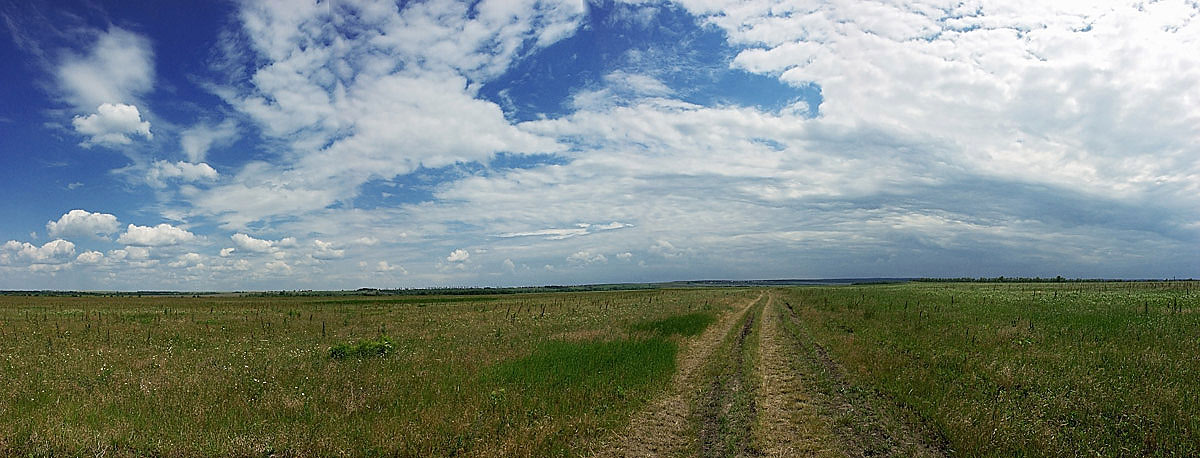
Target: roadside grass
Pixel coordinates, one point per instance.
(1040, 369)
(600, 379)
(253, 376)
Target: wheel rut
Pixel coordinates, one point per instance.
(859, 420)
(757, 384)
(728, 408)
(661, 428)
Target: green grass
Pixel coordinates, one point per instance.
(1045, 369)
(578, 379)
(241, 376)
(363, 348)
(724, 408)
(683, 325)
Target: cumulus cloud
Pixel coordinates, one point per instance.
(83, 223)
(57, 251)
(383, 266)
(90, 257)
(118, 68)
(251, 244)
(187, 260)
(326, 251)
(161, 171)
(112, 124)
(586, 257)
(458, 255)
(278, 267)
(150, 236)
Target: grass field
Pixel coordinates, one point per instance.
(916, 369)
(1041, 369)
(481, 375)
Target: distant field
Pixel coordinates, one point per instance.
(915, 369)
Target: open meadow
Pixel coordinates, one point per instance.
(913, 369)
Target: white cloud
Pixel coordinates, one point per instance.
(586, 257)
(549, 234)
(509, 265)
(112, 124)
(344, 112)
(251, 244)
(367, 241)
(187, 260)
(642, 85)
(383, 266)
(83, 223)
(90, 257)
(566, 233)
(458, 255)
(117, 69)
(198, 139)
(160, 235)
(625, 256)
(665, 249)
(611, 226)
(161, 171)
(227, 252)
(326, 251)
(278, 267)
(57, 251)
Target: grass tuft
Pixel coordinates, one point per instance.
(362, 349)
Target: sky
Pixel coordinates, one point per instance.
(267, 145)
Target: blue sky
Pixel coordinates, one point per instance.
(291, 145)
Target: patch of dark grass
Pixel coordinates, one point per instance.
(602, 379)
(559, 368)
(684, 325)
(362, 349)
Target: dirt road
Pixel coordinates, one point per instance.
(756, 384)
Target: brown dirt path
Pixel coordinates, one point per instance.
(661, 428)
(790, 423)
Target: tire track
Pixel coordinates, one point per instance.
(728, 409)
(858, 423)
(791, 424)
(661, 428)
